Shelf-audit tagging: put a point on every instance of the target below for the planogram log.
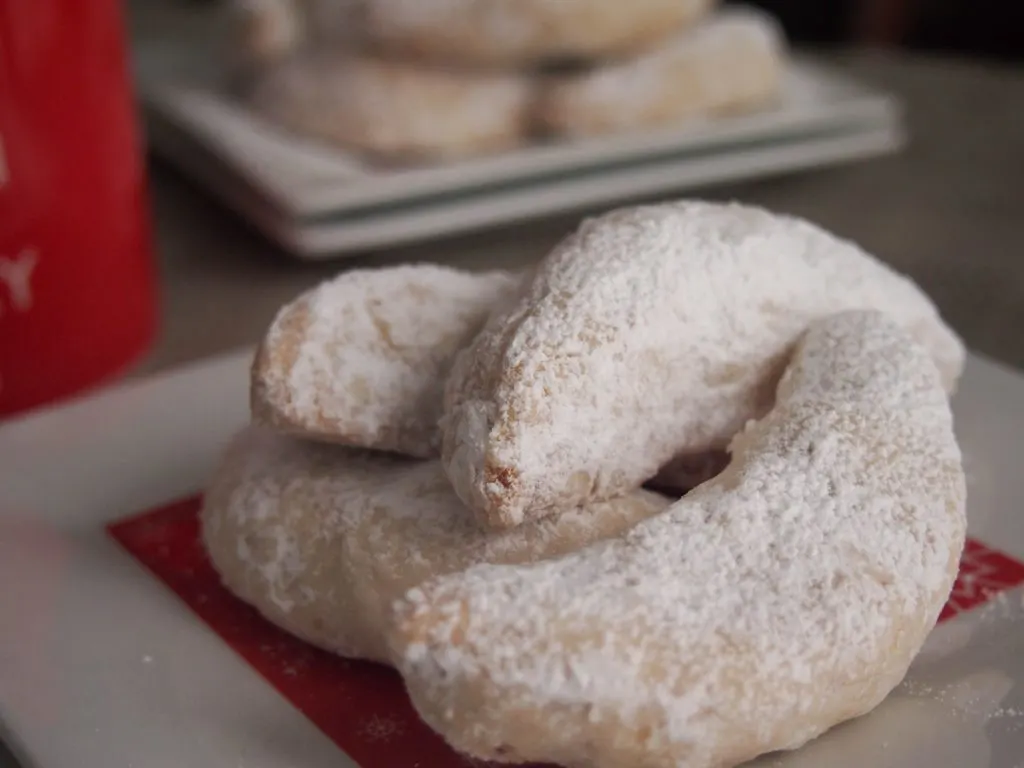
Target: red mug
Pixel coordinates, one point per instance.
(77, 287)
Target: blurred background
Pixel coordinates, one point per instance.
(986, 29)
(905, 133)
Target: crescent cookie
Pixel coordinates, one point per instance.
(786, 595)
(525, 32)
(265, 30)
(731, 62)
(361, 359)
(322, 539)
(650, 332)
(393, 110)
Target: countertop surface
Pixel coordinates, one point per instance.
(946, 210)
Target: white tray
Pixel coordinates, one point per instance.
(101, 666)
(320, 202)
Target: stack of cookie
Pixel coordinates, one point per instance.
(408, 80)
(445, 473)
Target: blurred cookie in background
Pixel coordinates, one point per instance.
(391, 109)
(266, 31)
(517, 33)
(731, 62)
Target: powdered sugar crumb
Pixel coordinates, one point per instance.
(381, 729)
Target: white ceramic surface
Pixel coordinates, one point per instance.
(308, 178)
(425, 219)
(319, 202)
(101, 666)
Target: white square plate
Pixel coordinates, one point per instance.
(102, 666)
(320, 202)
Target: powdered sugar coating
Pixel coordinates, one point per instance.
(788, 594)
(393, 109)
(519, 32)
(361, 359)
(649, 332)
(322, 539)
(730, 62)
